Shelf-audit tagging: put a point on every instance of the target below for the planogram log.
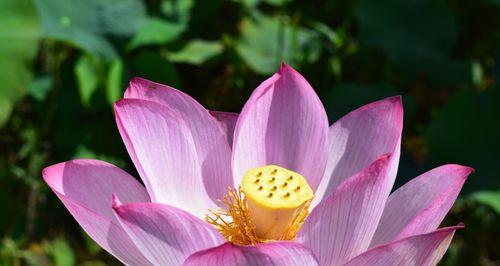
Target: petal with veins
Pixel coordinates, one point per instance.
(209, 138)
(273, 253)
(227, 121)
(166, 235)
(163, 151)
(283, 123)
(419, 250)
(359, 138)
(342, 225)
(420, 205)
(85, 187)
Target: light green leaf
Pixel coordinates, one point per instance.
(84, 24)
(277, 2)
(87, 71)
(5, 109)
(40, 87)
(196, 52)
(156, 31)
(490, 198)
(114, 88)
(19, 34)
(267, 41)
(61, 252)
(177, 10)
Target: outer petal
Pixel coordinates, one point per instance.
(273, 253)
(419, 250)
(210, 141)
(228, 122)
(85, 187)
(342, 225)
(359, 138)
(283, 123)
(166, 235)
(420, 205)
(164, 153)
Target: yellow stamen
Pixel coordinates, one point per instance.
(261, 212)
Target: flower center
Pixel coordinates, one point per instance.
(271, 204)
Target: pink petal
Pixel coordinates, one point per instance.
(425, 249)
(166, 235)
(272, 253)
(228, 122)
(210, 141)
(342, 225)
(164, 153)
(85, 187)
(283, 123)
(420, 205)
(359, 138)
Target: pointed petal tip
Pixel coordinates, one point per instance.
(137, 79)
(392, 104)
(115, 201)
(284, 67)
(465, 171)
(287, 69)
(381, 163)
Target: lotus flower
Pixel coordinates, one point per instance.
(274, 185)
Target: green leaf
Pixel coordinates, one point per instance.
(61, 252)
(156, 31)
(196, 52)
(277, 2)
(267, 41)
(19, 34)
(177, 10)
(114, 86)
(40, 87)
(87, 71)
(5, 109)
(85, 24)
(490, 198)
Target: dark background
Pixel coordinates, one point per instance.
(63, 63)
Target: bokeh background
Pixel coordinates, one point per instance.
(63, 64)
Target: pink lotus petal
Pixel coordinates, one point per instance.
(164, 234)
(359, 138)
(420, 205)
(283, 123)
(228, 122)
(273, 253)
(164, 153)
(85, 187)
(342, 225)
(426, 249)
(210, 141)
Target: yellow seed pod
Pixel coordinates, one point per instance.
(275, 196)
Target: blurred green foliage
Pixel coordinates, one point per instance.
(64, 63)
